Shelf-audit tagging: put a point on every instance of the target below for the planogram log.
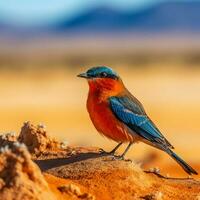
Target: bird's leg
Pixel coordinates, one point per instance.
(121, 157)
(115, 149)
(112, 152)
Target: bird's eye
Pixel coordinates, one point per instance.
(103, 74)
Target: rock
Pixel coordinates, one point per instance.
(36, 139)
(7, 139)
(20, 177)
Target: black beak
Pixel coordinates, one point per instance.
(83, 75)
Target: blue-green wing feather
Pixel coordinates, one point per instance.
(129, 110)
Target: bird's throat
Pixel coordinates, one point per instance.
(105, 87)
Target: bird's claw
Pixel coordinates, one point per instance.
(117, 157)
(110, 153)
(121, 158)
(101, 151)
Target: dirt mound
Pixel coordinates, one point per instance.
(36, 139)
(20, 178)
(113, 179)
(7, 139)
(42, 146)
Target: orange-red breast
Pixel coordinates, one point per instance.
(118, 115)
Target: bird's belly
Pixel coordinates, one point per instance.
(108, 125)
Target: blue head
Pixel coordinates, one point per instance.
(99, 72)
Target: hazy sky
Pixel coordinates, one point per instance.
(47, 11)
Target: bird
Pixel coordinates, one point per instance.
(120, 116)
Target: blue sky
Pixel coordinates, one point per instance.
(38, 12)
(30, 12)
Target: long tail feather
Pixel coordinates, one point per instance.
(181, 162)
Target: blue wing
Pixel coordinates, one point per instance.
(129, 110)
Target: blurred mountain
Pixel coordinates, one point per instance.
(8, 30)
(170, 16)
(165, 16)
(4, 26)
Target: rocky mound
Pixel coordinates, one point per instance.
(7, 139)
(20, 178)
(78, 173)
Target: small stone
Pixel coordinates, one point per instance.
(71, 188)
(154, 170)
(157, 170)
(41, 125)
(4, 149)
(20, 145)
(64, 144)
(73, 152)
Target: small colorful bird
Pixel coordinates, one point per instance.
(118, 115)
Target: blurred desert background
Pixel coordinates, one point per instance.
(155, 47)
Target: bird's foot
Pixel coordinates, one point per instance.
(103, 152)
(121, 158)
(117, 158)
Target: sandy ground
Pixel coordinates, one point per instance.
(62, 172)
(57, 99)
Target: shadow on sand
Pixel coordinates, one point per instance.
(57, 162)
